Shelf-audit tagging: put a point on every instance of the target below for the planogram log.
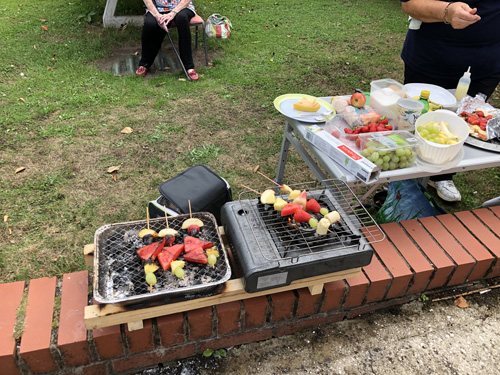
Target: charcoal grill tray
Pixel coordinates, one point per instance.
(119, 272)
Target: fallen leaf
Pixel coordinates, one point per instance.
(22, 99)
(182, 79)
(55, 259)
(34, 46)
(20, 169)
(5, 218)
(45, 28)
(114, 169)
(115, 176)
(461, 302)
(10, 231)
(127, 130)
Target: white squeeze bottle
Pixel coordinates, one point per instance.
(463, 85)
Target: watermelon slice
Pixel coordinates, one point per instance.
(196, 255)
(300, 216)
(192, 243)
(147, 251)
(159, 248)
(313, 206)
(290, 209)
(169, 254)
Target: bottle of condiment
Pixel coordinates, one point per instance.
(429, 106)
(463, 85)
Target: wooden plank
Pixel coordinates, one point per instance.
(99, 316)
(88, 254)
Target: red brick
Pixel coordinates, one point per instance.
(296, 326)
(365, 309)
(463, 260)
(152, 358)
(12, 294)
(255, 312)
(491, 221)
(395, 264)
(72, 334)
(495, 210)
(413, 256)
(379, 279)
(245, 337)
(283, 305)
(483, 257)
(307, 304)
(228, 317)
(358, 286)
(334, 294)
(108, 342)
(444, 266)
(142, 339)
(95, 369)
(35, 342)
(171, 328)
(200, 323)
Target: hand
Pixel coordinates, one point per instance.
(461, 15)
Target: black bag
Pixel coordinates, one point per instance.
(206, 190)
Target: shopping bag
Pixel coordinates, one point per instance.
(218, 26)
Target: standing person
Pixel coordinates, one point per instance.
(158, 15)
(452, 37)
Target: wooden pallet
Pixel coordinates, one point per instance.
(106, 315)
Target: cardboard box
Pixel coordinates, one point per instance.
(345, 156)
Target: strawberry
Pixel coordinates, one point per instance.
(480, 113)
(365, 129)
(348, 130)
(312, 205)
(290, 209)
(301, 216)
(388, 127)
(381, 128)
(383, 120)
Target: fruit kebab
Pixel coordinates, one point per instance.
(148, 235)
(283, 188)
(192, 225)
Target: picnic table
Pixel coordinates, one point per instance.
(474, 158)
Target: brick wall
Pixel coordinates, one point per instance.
(417, 256)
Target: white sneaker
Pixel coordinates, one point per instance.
(446, 190)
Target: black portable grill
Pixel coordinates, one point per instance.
(119, 275)
(273, 251)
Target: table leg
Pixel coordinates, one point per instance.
(285, 145)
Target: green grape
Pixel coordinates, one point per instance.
(420, 129)
(379, 161)
(385, 166)
(400, 152)
(386, 158)
(323, 211)
(408, 151)
(403, 158)
(382, 152)
(365, 153)
(151, 278)
(313, 222)
(403, 164)
(179, 272)
(392, 165)
(212, 259)
(375, 156)
(395, 159)
(423, 133)
(369, 150)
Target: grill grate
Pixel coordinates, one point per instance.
(280, 238)
(119, 272)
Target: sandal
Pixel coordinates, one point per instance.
(141, 71)
(193, 75)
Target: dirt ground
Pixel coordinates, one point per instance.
(415, 338)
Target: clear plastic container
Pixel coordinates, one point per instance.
(385, 93)
(389, 150)
(337, 126)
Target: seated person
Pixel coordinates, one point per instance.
(158, 15)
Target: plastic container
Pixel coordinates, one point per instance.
(408, 111)
(463, 85)
(389, 150)
(385, 93)
(437, 153)
(337, 125)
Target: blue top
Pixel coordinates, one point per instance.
(437, 50)
(164, 6)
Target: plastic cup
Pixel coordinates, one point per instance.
(407, 112)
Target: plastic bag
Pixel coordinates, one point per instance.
(406, 200)
(218, 26)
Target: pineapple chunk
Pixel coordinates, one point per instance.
(175, 264)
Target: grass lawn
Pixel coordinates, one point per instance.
(62, 115)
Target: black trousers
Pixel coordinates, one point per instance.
(485, 86)
(152, 38)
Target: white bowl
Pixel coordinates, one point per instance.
(437, 153)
